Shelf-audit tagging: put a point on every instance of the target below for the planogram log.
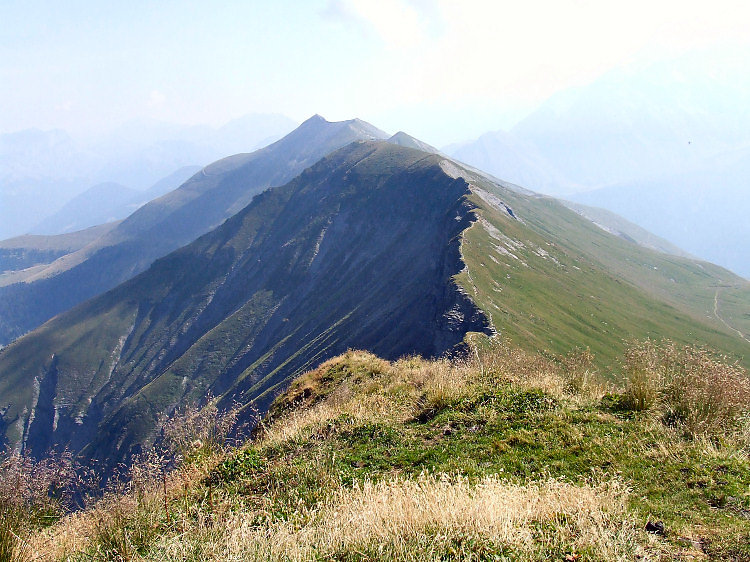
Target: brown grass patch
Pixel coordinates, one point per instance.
(437, 516)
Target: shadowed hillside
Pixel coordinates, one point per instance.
(200, 204)
(364, 249)
(359, 250)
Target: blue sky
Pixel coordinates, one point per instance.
(443, 70)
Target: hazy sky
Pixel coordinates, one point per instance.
(442, 70)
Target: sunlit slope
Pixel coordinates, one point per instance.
(358, 251)
(552, 280)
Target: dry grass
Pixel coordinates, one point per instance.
(434, 517)
(33, 493)
(366, 388)
(131, 517)
(144, 503)
(166, 516)
(688, 386)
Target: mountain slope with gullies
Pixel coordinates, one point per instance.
(202, 203)
(358, 251)
(378, 247)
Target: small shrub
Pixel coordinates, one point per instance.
(704, 393)
(192, 429)
(692, 387)
(33, 494)
(580, 374)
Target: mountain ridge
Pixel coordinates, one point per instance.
(375, 246)
(169, 321)
(204, 201)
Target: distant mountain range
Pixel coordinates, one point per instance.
(107, 202)
(37, 250)
(40, 171)
(664, 145)
(704, 210)
(332, 238)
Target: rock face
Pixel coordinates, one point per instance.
(359, 251)
(161, 226)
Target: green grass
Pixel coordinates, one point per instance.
(523, 435)
(699, 491)
(570, 284)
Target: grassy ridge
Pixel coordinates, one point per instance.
(507, 456)
(551, 280)
(359, 251)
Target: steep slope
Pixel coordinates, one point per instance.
(552, 280)
(361, 250)
(358, 251)
(200, 204)
(665, 145)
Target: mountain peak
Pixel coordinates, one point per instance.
(317, 278)
(317, 118)
(314, 130)
(403, 139)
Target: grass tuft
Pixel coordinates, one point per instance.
(689, 386)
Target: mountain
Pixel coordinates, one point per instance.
(108, 202)
(403, 139)
(140, 152)
(251, 132)
(41, 170)
(359, 250)
(705, 210)
(90, 208)
(203, 202)
(643, 120)
(24, 252)
(615, 224)
(550, 279)
(168, 183)
(665, 145)
(377, 247)
(504, 156)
